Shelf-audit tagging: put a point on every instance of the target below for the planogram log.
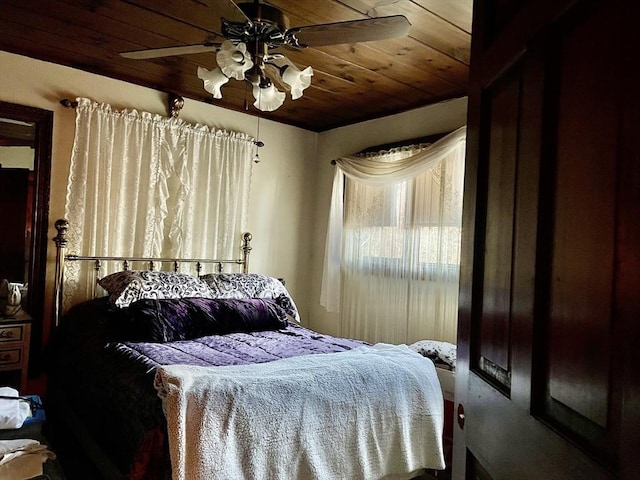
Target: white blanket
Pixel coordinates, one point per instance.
(367, 413)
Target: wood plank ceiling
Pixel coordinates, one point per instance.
(351, 82)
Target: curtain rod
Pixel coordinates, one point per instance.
(403, 143)
(175, 104)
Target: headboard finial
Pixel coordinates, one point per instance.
(62, 225)
(246, 250)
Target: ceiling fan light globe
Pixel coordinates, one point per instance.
(234, 60)
(267, 99)
(297, 79)
(238, 56)
(213, 80)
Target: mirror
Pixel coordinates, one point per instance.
(25, 171)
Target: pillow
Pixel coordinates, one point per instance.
(251, 285)
(128, 286)
(169, 320)
(443, 354)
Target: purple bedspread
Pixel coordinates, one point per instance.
(235, 348)
(94, 363)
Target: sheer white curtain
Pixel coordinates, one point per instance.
(145, 185)
(393, 243)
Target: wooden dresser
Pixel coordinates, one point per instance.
(15, 335)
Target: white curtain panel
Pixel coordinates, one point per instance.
(393, 243)
(145, 185)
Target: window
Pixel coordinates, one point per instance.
(398, 247)
(413, 225)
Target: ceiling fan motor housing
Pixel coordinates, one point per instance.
(268, 25)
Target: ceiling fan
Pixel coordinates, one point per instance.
(253, 30)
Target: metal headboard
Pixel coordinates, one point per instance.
(60, 240)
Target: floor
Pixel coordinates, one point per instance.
(73, 463)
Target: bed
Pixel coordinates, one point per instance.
(211, 376)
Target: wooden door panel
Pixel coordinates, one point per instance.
(503, 12)
(546, 379)
(501, 157)
(475, 470)
(528, 450)
(582, 276)
(511, 162)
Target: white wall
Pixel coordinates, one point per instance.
(438, 118)
(290, 188)
(282, 191)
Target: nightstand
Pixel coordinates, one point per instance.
(15, 335)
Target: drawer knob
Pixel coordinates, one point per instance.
(6, 334)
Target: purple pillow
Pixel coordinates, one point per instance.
(168, 320)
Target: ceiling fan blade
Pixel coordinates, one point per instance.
(171, 51)
(353, 31)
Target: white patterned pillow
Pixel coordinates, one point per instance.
(126, 287)
(443, 354)
(251, 285)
